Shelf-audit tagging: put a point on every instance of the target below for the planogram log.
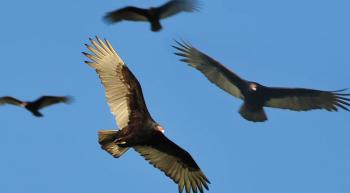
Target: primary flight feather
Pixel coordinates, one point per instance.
(138, 130)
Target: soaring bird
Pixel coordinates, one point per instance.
(137, 128)
(255, 95)
(153, 14)
(36, 105)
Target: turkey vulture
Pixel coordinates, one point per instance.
(36, 105)
(137, 128)
(153, 14)
(255, 95)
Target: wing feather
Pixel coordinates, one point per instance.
(213, 70)
(301, 99)
(127, 13)
(123, 91)
(193, 182)
(175, 162)
(10, 100)
(176, 6)
(45, 101)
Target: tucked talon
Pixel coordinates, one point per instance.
(119, 142)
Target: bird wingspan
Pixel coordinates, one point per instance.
(175, 162)
(301, 99)
(127, 13)
(45, 101)
(123, 91)
(213, 70)
(173, 7)
(10, 100)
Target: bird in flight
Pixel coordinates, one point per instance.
(138, 130)
(36, 105)
(257, 96)
(153, 14)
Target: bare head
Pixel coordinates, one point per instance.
(253, 86)
(23, 104)
(159, 128)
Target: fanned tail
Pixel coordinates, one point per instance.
(106, 138)
(255, 115)
(155, 25)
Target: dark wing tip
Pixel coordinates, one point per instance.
(182, 46)
(196, 5)
(107, 18)
(206, 179)
(68, 99)
(189, 5)
(340, 99)
(339, 92)
(112, 17)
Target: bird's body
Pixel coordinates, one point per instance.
(138, 130)
(153, 17)
(257, 96)
(35, 106)
(138, 135)
(153, 14)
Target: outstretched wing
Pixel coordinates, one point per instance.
(301, 99)
(175, 162)
(45, 101)
(127, 13)
(123, 91)
(213, 70)
(10, 100)
(176, 6)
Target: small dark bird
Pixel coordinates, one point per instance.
(138, 129)
(153, 14)
(36, 105)
(255, 95)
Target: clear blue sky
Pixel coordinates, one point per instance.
(300, 43)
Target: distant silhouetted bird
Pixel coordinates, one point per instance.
(153, 14)
(137, 128)
(255, 95)
(36, 105)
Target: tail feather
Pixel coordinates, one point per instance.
(36, 113)
(106, 138)
(255, 115)
(155, 25)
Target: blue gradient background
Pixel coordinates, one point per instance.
(277, 43)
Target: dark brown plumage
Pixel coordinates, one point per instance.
(255, 95)
(36, 105)
(153, 14)
(137, 128)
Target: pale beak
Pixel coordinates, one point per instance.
(161, 129)
(23, 104)
(253, 87)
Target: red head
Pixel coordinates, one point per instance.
(159, 128)
(253, 86)
(23, 104)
